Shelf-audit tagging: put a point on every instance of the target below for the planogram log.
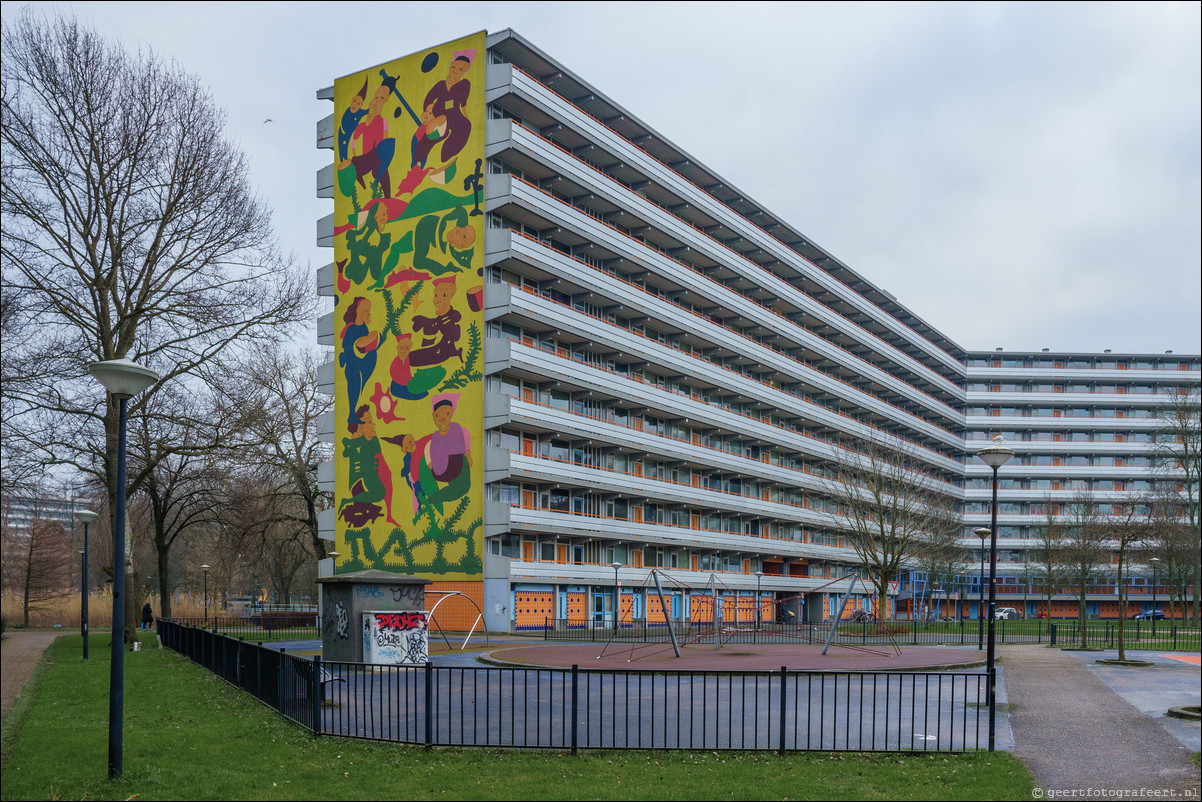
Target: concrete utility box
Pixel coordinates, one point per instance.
(346, 597)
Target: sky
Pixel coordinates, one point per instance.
(1018, 175)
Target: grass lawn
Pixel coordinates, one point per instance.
(189, 735)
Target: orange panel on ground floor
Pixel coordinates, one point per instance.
(456, 613)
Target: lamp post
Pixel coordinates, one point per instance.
(982, 533)
(334, 555)
(759, 613)
(205, 568)
(617, 592)
(1155, 577)
(123, 380)
(995, 456)
(85, 517)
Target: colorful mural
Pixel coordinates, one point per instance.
(409, 234)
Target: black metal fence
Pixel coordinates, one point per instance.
(942, 633)
(268, 625)
(1158, 635)
(601, 709)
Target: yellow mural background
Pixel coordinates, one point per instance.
(409, 233)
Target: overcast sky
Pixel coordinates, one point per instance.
(1018, 175)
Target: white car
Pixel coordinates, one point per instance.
(1005, 612)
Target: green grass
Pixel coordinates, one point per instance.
(189, 735)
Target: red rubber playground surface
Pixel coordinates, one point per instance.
(739, 657)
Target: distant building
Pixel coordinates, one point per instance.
(667, 367)
(19, 512)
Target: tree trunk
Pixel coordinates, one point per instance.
(1122, 608)
(164, 586)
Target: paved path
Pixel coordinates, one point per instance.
(738, 657)
(1074, 732)
(19, 655)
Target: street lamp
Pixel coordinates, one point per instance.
(205, 568)
(85, 517)
(123, 380)
(1155, 577)
(759, 613)
(982, 533)
(334, 555)
(759, 575)
(617, 592)
(995, 456)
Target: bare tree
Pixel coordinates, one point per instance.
(1084, 553)
(1123, 529)
(890, 505)
(1178, 455)
(1047, 559)
(282, 445)
(130, 231)
(274, 542)
(940, 553)
(39, 563)
(183, 437)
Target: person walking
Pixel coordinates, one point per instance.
(147, 616)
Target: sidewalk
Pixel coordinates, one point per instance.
(1074, 732)
(19, 656)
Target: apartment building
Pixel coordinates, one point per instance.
(665, 371)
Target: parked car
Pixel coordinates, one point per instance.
(1005, 612)
(1148, 615)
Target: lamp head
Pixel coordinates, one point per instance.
(123, 378)
(996, 454)
(615, 566)
(204, 568)
(982, 532)
(86, 516)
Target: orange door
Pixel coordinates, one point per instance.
(532, 609)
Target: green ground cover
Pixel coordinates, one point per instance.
(190, 735)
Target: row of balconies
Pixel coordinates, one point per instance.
(505, 244)
(544, 572)
(505, 79)
(608, 336)
(501, 518)
(522, 360)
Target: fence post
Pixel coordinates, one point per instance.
(429, 703)
(784, 675)
(259, 670)
(546, 633)
(279, 682)
(315, 694)
(1051, 634)
(1174, 636)
(575, 705)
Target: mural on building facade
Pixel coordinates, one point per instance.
(409, 255)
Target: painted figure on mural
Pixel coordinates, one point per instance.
(446, 456)
(371, 149)
(409, 469)
(441, 332)
(409, 384)
(368, 247)
(452, 232)
(443, 120)
(350, 121)
(368, 474)
(358, 353)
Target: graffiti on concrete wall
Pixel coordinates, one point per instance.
(396, 638)
(344, 621)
